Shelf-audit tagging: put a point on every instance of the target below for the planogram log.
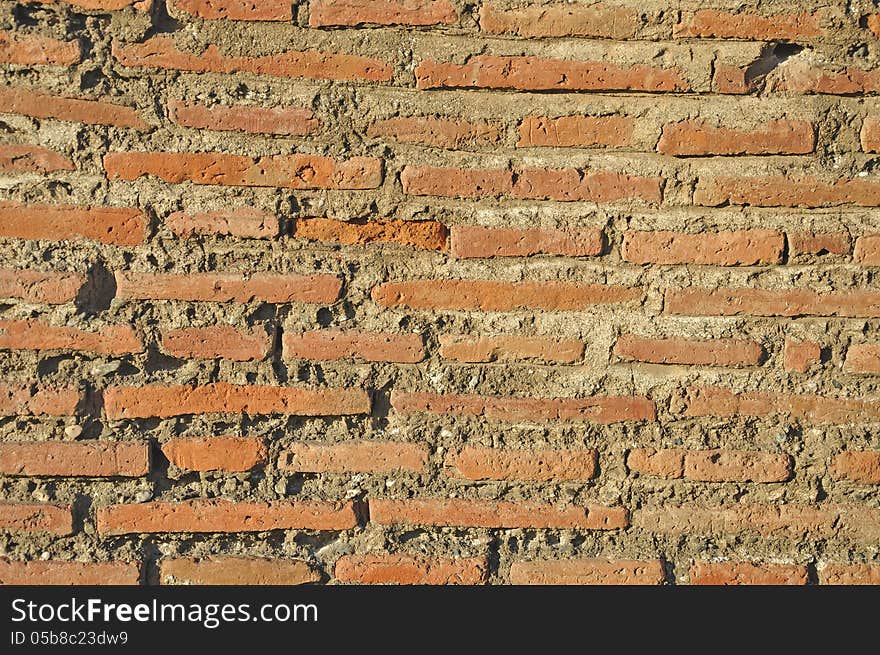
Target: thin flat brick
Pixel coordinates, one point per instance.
(475, 463)
(329, 345)
(35, 50)
(747, 573)
(40, 335)
(448, 133)
(409, 570)
(464, 348)
(111, 225)
(268, 10)
(95, 459)
(354, 457)
(25, 158)
(425, 235)
(765, 302)
(215, 453)
(850, 574)
(218, 342)
(282, 121)
(36, 104)
(689, 352)
(40, 286)
(226, 570)
(594, 571)
(600, 20)
(36, 519)
(34, 401)
(740, 248)
(242, 222)
(711, 23)
(863, 358)
(99, 5)
(800, 356)
(784, 191)
(325, 13)
(68, 573)
(696, 138)
(576, 132)
(823, 243)
(471, 241)
(862, 467)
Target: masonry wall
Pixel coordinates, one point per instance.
(439, 291)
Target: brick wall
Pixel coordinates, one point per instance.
(439, 291)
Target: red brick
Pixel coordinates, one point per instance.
(563, 184)
(214, 515)
(68, 573)
(587, 572)
(404, 569)
(381, 12)
(801, 76)
(24, 158)
(746, 247)
(215, 453)
(236, 571)
(40, 286)
(811, 243)
(475, 463)
(867, 250)
(39, 335)
(214, 168)
(817, 410)
(747, 573)
(662, 463)
(711, 465)
(870, 134)
(329, 345)
(426, 235)
(696, 138)
(218, 342)
(99, 5)
(117, 226)
(502, 348)
(271, 10)
(468, 241)
(495, 514)
(34, 401)
(354, 457)
(599, 409)
(23, 517)
(695, 352)
(222, 398)
(576, 131)
(37, 104)
(800, 356)
(538, 74)
(863, 358)
(449, 133)
(489, 295)
(858, 466)
(243, 222)
(783, 191)
(766, 302)
(228, 287)
(561, 19)
(850, 574)
(161, 52)
(710, 23)
(97, 459)
(284, 121)
(36, 50)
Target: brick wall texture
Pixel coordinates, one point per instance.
(434, 291)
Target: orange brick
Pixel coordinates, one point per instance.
(784, 191)
(492, 349)
(30, 102)
(218, 342)
(243, 222)
(747, 247)
(236, 571)
(862, 467)
(587, 572)
(736, 466)
(329, 345)
(850, 574)
(24, 158)
(747, 573)
(355, 457)
(662, 463)
(863, 358)
(117, 226)
(448, 133)
(601, 20)
(765, 302)
(801, 356)
(694, 352)
(99, 5)
(215, 453)
(696, 138)
(468, 241)
(324, 13)
(36, 50)
(870, 134)
(475, 463)
(39, 335)
(68, 573)
(576, 131)
(96, 459)
(810, 243)
(42, 287)
(33, 401)
(270, 10)
(404, 569)
(32, 518)
(283, 121)
(711, 23)
(867, 250)
(427, 235)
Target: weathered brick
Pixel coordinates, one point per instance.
(285, 121)
(476, 463)
(324, 13)
(354, 457)
(404, 569)
(464, 348)
(40, 286)
(30, 102)
(786, 191)
(218, 342)
(813, 409)
(97, 459)
(693, 352)
(470, 241)
(539, 74)
(711, 23)
(215, 453)
(328, 345)
(221, 398)
(745, 247)
(803, 76)
(214, 168)
(863, 358)
(800, 356)
(39, 335)
(24, 158)
(599, 20)
(244, 222)
(850, 574)
(495, 514)
(594, 571)
(228, 287)
(696, 138)
(215, 515)
(117, 226)
(448, 133)
(68, 573)
(34, 401)
(867, 250)
(747, 573)
(812, 243)
(562, 184)
(766, 302)
(489, 295)
(576, 131)
(226, 570)
(162, 52)
(599, 409)
(426, 235)
(661, 463)
(37, 519)
(35, 50)
(99, 5)
(857, 466)
(714, 465)
(269, 10)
